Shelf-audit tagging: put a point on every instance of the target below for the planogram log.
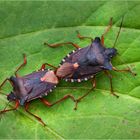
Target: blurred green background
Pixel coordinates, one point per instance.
(24, 26)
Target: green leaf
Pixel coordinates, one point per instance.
(24, 28)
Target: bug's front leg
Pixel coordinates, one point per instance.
(111, 86)
(60, 100)
(61, 44)
(18, 68)
(83, 37)
(107, 30)
(22, 65)
(15, 107)
(125, 70)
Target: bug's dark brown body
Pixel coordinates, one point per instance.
(33, 86)
(91, 60)
(84, 63)
(30, 87)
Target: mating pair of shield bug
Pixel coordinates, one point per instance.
(79, 65)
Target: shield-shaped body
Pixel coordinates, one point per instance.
(82, 64)
(32, 86)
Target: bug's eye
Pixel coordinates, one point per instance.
(97, 39)
(11, 97)
(110, 52)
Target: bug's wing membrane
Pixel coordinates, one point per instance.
(39, 90)
(84, 73)
(89, 70)
(66, 69)
(35, 87)
(75, 55)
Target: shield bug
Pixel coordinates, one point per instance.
(84, 63)
(32, 86)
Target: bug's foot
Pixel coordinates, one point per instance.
(41, 121)
(75, 108)
(133, 73)
(45, 43)
(76, 104)
(1, 112)
(117, 96)
(44, 125)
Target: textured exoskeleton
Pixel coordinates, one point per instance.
(32, 86)
(90, 61)
(84, 63)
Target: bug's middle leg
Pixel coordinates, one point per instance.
(60, 100)
(111, 86)
(83, 96)
(38, 118)
(44, 66)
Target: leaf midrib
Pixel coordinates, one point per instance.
(58, 28)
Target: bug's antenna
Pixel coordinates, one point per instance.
(3, 93)
(118, 32)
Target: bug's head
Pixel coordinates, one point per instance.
(11, 97)
(111, 52)
(97, 40)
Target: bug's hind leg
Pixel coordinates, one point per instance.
(107, 30)
(23, 64)
(83, 37)
(125, 70)
(61, 44)
(38, 118)
(83, 96)
(111, 86)
(60, 100)
(15, 107)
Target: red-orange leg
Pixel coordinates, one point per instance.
(23, 64)
(83, 37)
(3, 83)
(125, 70)
(64, 98)
(106, 31)
(61, 44)
(44, 66)
(38, 118)
(102, 40)
(83, 96)
(16, 106)
(111, 86)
